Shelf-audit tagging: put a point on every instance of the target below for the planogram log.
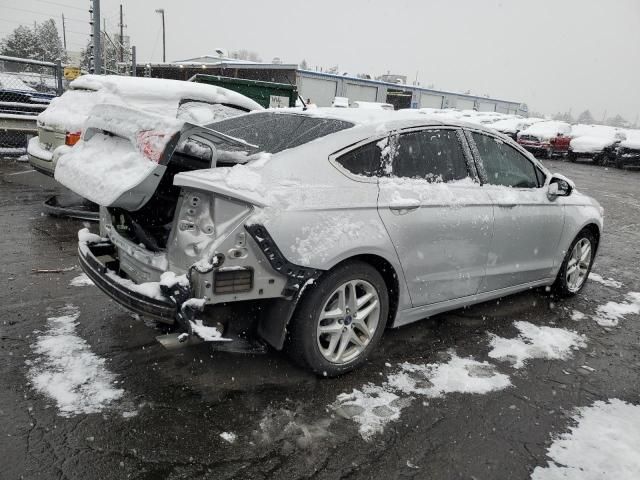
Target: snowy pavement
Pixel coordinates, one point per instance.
(527, 387)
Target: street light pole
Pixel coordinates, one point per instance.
(164, 51)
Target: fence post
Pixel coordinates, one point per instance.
(59, 72)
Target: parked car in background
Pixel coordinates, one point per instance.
(628, 151)
(60, 125)
(512, 126)
(547, 139)
(18, 98)
(333, 224)
(595, 142)
(340, 102)
(372, 105)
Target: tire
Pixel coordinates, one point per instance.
(549, 153)
(564, 287)
(619, 163)
(573, 158)
(598, 159)
(319, 352)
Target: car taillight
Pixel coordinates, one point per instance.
(71, 138)
(152, 143)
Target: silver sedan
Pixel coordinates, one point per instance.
(339, 223)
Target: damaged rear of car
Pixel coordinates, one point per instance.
(172, 246)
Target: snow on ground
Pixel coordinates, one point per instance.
(577, 315)
(610, 314)
(535, 342)
(607, 282)
(374, 406)
(604, 444)
(66, 371)
(81, 280)
(229, 437)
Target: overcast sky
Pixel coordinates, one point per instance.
(553, 55)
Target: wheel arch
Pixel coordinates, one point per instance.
(389, 275)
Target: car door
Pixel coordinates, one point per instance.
(438, 216)
(527, 225)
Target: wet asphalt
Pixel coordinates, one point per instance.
(185, 398)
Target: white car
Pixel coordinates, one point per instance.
(60, 125)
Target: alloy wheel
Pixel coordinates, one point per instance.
(578, 265)
(348, 321)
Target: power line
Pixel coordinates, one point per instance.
(62, 5)
(50, 15)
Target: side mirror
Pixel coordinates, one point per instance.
(558, 187)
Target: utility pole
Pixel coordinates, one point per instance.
(97, 37)
(133, 61)
(64, 34)
(121, 41)
(164, 51)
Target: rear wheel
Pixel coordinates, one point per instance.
(572, 157)
(619, 163)
(340, 321)
(577, 264)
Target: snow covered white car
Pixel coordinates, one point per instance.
(60, 125)
(335, 223)
(595, 142)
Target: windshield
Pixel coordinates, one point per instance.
(274, 132)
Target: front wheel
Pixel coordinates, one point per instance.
(576, 266)
(340, 320)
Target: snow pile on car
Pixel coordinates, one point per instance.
(547, 130)
(633, 139)
(593, 138)
(104, 166)
(154, 95)
(513, 125)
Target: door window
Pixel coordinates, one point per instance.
(363, 160)
(503, 164)
(433, 155)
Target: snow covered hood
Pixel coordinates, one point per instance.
(591, 144)
(160, 96)
(547, 130)
(594, 138)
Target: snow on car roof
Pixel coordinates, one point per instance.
(69, 111)
(379, 118)
(549, 128)
(162, 88)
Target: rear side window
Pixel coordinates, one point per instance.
(503, 164)
(274, 132)
(433, 155)
(363, 160)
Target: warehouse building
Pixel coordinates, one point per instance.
(322, 88)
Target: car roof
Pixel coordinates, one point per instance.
(379, 120)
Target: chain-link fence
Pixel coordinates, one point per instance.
(26, 89)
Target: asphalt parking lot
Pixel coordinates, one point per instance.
(278, 421)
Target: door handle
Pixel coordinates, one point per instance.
(403, 209)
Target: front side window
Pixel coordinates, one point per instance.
(503, 164)
(433, 155)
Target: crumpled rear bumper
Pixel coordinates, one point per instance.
(98, 258)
